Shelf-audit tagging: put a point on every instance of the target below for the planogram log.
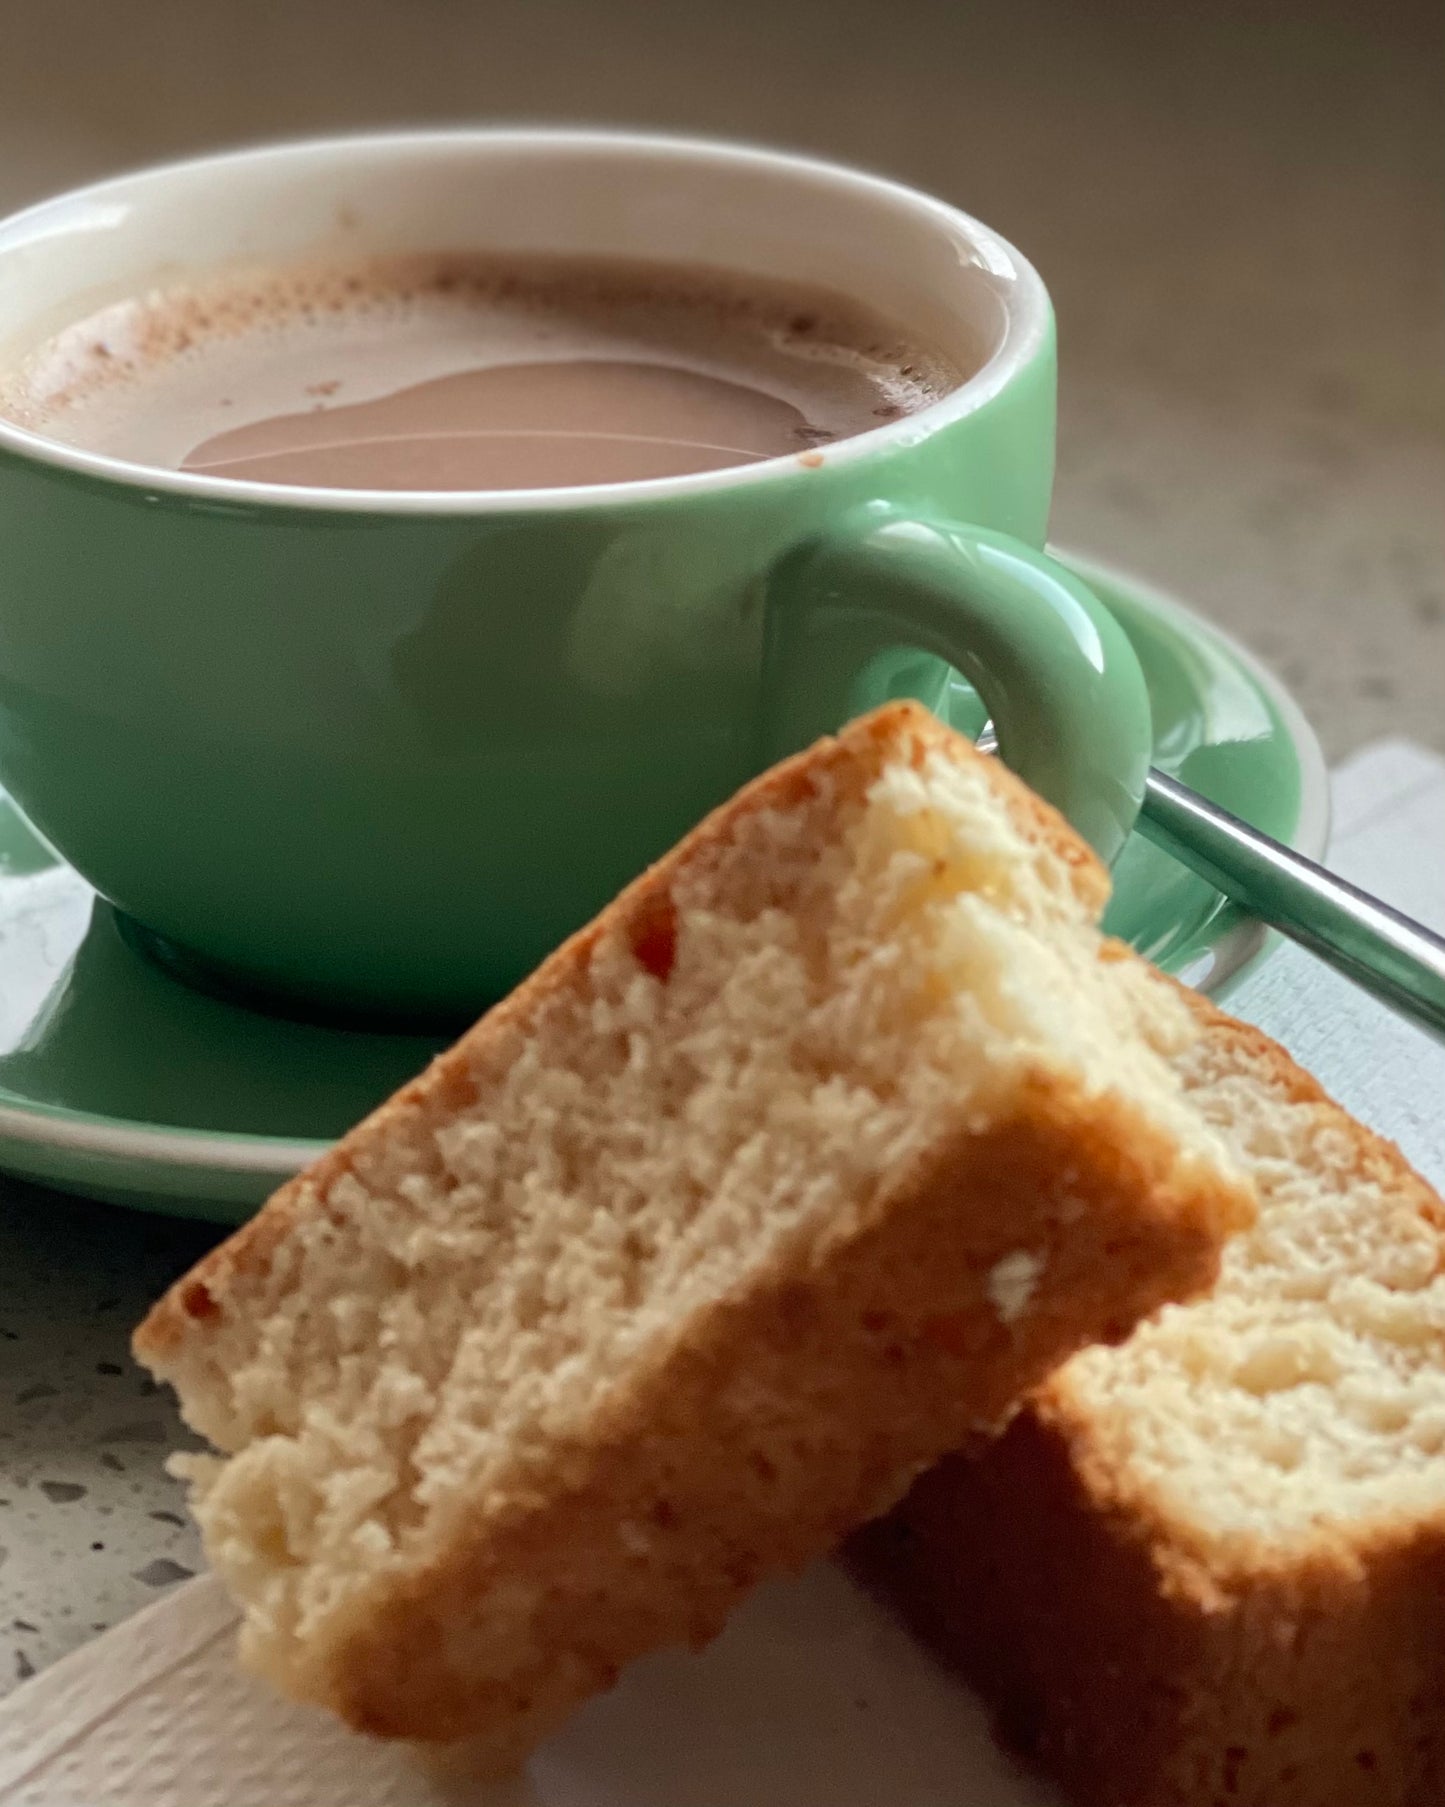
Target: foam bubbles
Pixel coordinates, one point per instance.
(150, 377)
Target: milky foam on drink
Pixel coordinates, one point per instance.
(149, 378)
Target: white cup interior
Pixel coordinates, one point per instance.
(926, 265)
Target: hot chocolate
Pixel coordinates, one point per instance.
(458, 372)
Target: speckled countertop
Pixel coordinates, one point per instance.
(1243, 225)
(90, 1524)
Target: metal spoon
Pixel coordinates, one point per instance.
(1387, 953)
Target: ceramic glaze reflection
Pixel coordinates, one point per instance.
(89, 1024)
(136, 1060)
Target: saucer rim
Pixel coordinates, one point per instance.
(180, 1147)
(1223, 962)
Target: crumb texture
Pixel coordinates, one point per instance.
(1318, 1362)
(833, 1135)
(1207, 1566)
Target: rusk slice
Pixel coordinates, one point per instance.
(814, 1153)
(1207, 1568)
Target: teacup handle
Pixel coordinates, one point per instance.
(1053, 667)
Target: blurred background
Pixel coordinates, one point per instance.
(1240, 211)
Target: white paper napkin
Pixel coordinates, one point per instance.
(814, 1697)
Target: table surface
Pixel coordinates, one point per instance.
(1242, 227)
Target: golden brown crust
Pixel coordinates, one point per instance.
(1142, 1668)
(859, 1362)
(776, 1420)
(189, 1311)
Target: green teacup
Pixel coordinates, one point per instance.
(383, 750)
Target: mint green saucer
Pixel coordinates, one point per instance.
(118, 1080)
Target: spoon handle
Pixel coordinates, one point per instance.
(1395, 958)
